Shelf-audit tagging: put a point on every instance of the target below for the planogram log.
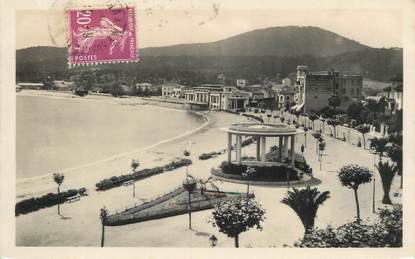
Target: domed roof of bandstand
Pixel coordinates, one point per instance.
(262, 129)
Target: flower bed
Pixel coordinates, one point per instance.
(116, 181)
(48, 200)
(262, 173)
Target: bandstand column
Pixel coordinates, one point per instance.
(280, 147)
(258, 148)
(238, 148)
(263, 144)
(229, 147)
(286, 146)
(292, 149)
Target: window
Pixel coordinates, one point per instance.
(344, 90)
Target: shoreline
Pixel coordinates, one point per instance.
(75, 170)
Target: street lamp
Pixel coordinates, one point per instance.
(247, 175)
(103, 216)
(213, 240)
(374, 180)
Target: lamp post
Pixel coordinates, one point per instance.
(213, 240)
(374, 181)
(247, 175)
(187, 154)
(103, 216)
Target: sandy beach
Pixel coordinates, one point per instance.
(80, 224)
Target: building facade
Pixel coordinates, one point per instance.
(216, 97)
(313, 89)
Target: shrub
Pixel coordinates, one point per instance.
(385, 232)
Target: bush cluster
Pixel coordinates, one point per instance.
(262, 173)
(254, 117)
(385, 232)
(48, 200)
(116, 181)
(205, 156)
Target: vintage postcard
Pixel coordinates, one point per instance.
(198, 129)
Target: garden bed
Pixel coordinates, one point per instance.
(45, 201)
(116, 181)
(273, 173)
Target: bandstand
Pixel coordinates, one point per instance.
(283, 134)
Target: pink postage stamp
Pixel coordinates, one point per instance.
(105, 35)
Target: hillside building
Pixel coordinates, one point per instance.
(313, 89)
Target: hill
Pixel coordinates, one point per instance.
(260, 53)
(289, 41)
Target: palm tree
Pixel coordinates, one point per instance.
(209, 181)
(305, 203)
(351, 176)
(387, 172)
(190, 185)
(395, 153)
(58, 179)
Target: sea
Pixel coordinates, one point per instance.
(54, 134)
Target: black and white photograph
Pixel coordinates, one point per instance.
(209, 124)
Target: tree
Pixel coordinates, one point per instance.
(189, 185)
(363, 129)
(351, 176)
(387, 172)
(135, 164)
(305, 203)
(379, 144)
(354, 110)
(334, 101)
(385, 232)
(235, 216)
(58, 179)
(334, 123)
(317, 136)
(313, 117)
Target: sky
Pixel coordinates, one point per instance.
(172, 22)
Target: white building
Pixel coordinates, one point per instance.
(216, 97)
(172, 90)
(241, 82)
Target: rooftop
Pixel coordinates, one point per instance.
(261, 129)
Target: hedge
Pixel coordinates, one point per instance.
(262, 173)
(116, 181)
(48, 200)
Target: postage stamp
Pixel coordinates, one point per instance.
(105, 35)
